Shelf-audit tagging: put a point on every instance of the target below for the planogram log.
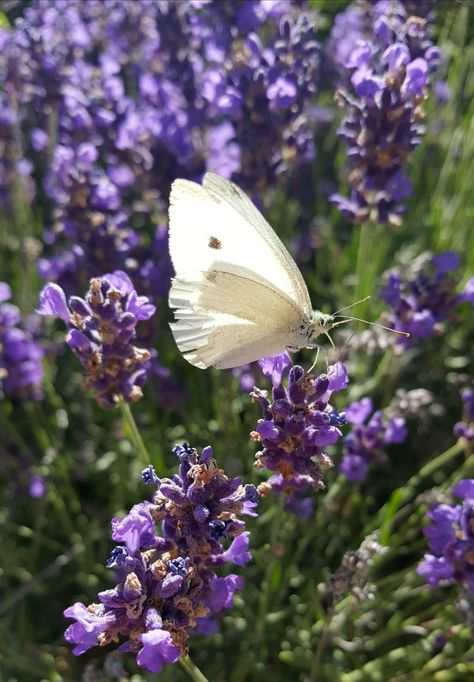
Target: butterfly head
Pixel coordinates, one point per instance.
(321, 323)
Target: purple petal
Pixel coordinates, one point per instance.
(136, 529)
(52, 301)
(468, 292)
(444, 262)
(274, 366)
(5, 292)
(396, 431)
(85, 631)
(396, 55)
(358, 412)
(238, 551)
(338, 378)
(465, 489)
(158, 649)
(120, 281)
(416, 78)
(354, 468)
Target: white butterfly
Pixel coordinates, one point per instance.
(238, 294)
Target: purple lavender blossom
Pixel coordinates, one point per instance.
(468, 292)
(296, 428)
(451, 540)
(262, 94)
(421, 298)
(367, 442)
(166, 584)
(127, 96)
(465, 429)
(37, 487)
(21, 372)
(101, 330)
(275, 366)
(390, 57)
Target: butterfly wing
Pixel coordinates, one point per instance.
(227, 320)
(237, 291)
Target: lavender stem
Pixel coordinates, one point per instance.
(192, 670)
(136, 438)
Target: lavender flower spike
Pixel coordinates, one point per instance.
(101, 331)
(21, 372)
(385, 61)
(167, 587)
(451, 541)
(367, 441)
(297, 426)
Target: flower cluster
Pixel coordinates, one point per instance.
(451, 540)
(101, 331)
(166, 581)
(422, 297)
(465, 429)
(296, 427)
(367, 441)
(259, 98)
(21, 373)
(127, 95)
(390, 63)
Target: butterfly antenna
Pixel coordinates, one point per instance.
(346, 345)
(315, 361)
(362, 300)
(331, 341)
(372, 324)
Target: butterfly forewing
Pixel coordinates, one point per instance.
(237, 291)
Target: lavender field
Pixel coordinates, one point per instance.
(309, 516)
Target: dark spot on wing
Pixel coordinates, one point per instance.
(214, 243)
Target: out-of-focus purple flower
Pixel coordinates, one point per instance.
(422, 297)
(451, 541)
(385, 58)
(101, 331)
(262, 108)
(368, 439)
(445, 261)
(296, 427)
(465, 429)
(246, 376)
(167, 587)
(37, 487)
(468, 292)
(21, 372)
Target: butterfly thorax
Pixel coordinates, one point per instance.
(303, 335)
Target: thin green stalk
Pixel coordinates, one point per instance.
(192, 670)
(318, 654)
(265, 592)
(363, 287)
(136, 438)
(401, 496)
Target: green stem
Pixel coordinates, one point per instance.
(363, 287)
(315, 665)
(401, 496)
(265, 592)
(192, 670)
(135, 433)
